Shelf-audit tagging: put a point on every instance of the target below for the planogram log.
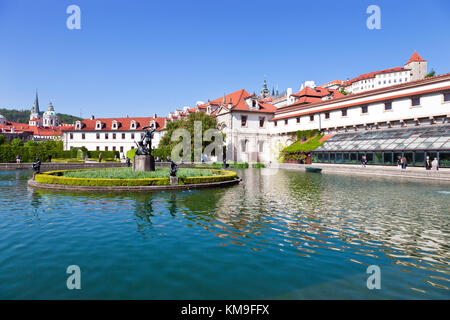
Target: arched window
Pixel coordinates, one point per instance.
(98, 125)
(133, 124)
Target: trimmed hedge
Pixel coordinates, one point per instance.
(258, 165)
(105, 154)
(55, 177)
(225, 175)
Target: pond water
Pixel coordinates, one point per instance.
(277, 235)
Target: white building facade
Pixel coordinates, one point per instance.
(257, 128)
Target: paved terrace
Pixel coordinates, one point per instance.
(443, 174)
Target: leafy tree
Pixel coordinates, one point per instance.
(166, 144)
(131, 153)
(31, 143)
(432, 73)
(2, 139)
(343, 91)
(16, 142)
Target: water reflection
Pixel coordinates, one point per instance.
(310, 220)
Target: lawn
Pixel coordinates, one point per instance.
(128, 173)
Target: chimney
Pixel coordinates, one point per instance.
(92, 117)
(155, 116)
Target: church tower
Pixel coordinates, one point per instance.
(264, 90)
(418, 67)
(35, 117)
(50, 118)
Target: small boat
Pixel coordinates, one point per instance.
(313, 169)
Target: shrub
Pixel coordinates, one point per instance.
(105, 154)
(57, 177)
(131, 153)
(16, 142)
(258, 165)
(239, 165)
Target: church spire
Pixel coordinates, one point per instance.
(264, 91)
(36, 104)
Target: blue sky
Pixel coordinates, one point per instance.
(142, 57)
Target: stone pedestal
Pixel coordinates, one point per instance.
(143, 163)
(173, 180)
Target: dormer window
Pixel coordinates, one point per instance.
(98, 125)
(133, 124)
(78, 125)
(153, 124)
(115, 125)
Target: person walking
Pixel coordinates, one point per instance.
(363, 161)
(428, 163)
(404, 164)
(435, 164)
(100, 157)
(18, 158)
(399, 162)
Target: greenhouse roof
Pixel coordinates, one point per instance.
(421, 138)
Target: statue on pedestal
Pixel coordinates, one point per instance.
(173, 169)
(144, 146)
(37, 166)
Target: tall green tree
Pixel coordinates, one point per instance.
(166, 144)
(16, 142)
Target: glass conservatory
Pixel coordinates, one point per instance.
(383, 147)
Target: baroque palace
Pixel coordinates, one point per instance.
(381, 114)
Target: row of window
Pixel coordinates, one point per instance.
(414, 158)
(106, 136)
(415, 102)
(262, 121)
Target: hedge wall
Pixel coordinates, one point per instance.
(105, 154)
(55, 177)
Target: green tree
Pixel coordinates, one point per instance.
(343, 91)
(166, 144)
(31, 143)
(16, 142)
(131, 153)
(432, 73)
(2, 139)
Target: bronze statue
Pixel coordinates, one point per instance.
(173, 169)
(37, 166)
(144, 146)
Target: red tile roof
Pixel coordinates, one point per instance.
(36, 130)
(352, 96)
(372, 75)
(238, 103)
(313, 95)
(124, 124)
(415, 58)
(331, 83)
(280, 117)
